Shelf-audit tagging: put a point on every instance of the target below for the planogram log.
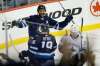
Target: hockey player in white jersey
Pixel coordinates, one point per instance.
(72, 48)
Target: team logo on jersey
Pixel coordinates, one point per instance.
(95, 7)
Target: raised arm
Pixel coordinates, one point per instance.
(62, 24)
(19, 23)
(23, 22)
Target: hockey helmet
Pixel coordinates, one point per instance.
(74, 30)
(41, 7)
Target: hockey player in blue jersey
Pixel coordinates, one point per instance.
(41, 46)
(42, 52)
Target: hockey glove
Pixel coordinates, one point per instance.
(14, 23)
(23, 54)
(65, 22)
(69, 18)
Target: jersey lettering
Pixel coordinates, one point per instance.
(47, 44)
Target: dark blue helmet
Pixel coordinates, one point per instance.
(41, 7)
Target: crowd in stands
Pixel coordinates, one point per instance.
(5, 4)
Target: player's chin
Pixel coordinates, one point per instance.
(44, 32)
(42, 14)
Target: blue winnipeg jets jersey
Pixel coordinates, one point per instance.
(42, 46)
(39, 45)
(33, 28)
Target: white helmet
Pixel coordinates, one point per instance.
(74, 30)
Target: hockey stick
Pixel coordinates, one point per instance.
(41, 24)
(64, 9)
(81, 31)
(10, 37)
(79, 55)
(5, 22)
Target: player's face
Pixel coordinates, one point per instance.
(41, 12)
(74, 34)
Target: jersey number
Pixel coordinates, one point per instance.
(48, 44)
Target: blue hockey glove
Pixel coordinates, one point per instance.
(65, 22)
(14, 23)
(69, 18)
